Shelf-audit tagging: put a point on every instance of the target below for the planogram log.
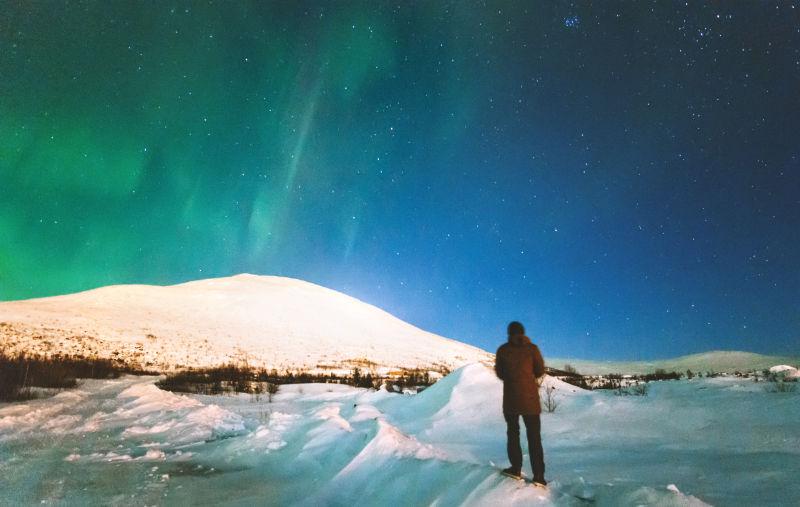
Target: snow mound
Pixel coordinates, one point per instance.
(152, 411)
(785, 372)
(782, 368)
(470, 391)
(390, 443)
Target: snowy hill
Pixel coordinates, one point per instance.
(717, 361)
(264, 320)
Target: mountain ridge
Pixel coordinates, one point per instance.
(721, 361)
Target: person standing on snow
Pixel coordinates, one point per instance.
(518, 363)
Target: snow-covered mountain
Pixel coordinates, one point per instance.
(266, 321)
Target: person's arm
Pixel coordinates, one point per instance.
(498, 365)
(538, 363)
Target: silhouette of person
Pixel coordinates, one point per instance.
(519, 364)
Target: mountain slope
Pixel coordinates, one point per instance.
(718, 361)
(265, 320)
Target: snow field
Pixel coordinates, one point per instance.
(705, 441)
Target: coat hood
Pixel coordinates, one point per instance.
(518, 339)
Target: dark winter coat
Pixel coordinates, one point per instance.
(518, 363)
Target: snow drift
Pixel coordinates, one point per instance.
(317, 444)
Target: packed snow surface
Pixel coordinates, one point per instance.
(261, 320)
(720, 441)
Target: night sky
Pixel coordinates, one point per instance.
(623, 178)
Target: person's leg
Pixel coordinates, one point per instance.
(533, 429)
(514, 449)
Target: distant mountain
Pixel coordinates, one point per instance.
(261, 320)
(718, 361)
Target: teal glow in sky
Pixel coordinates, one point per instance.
(623, 178)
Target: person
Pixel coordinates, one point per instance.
(519, 364)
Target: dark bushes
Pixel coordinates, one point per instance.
(615, 381)
(18, 374)
(243, 379)
(661, 375)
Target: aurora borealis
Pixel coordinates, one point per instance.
(622, 177)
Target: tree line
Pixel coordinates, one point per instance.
(232, 378)
(22, 374)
